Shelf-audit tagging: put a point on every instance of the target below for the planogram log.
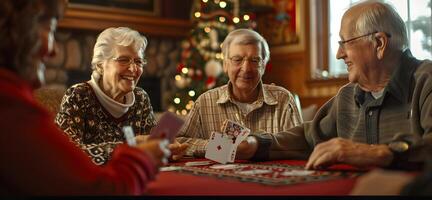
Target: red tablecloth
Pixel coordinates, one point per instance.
(177, 183)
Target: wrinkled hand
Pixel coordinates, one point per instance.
(338, 150)
(157, 149)
(177, 150)
(247, 148)
(379, 182)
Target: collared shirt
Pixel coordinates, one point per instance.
(274, 111)
(402, 112)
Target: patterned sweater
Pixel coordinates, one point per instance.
(83, 118)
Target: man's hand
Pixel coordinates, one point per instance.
(379, 182)
(338, 150)
(177, 150)
(247, 148)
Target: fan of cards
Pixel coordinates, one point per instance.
(222, 147)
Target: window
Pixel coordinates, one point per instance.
(415, 13)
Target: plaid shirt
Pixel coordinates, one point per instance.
(274, 111)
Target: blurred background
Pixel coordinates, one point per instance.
(185, 36)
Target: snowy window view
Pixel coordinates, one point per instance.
(415, 13)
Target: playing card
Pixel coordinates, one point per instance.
(167, 127)
(235, 129)
(238, 132)
(198, 163)
(220, 147)
(225, 167)
(297, 173)
(255, 172)
(129, 135)
(170, 168)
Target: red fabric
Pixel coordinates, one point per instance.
(176, 183)
(38, 159)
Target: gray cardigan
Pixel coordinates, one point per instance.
(404, 111)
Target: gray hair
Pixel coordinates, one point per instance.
(110, 37)
(246, 36)
(382, 17)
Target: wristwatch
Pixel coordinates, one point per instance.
(398, 147)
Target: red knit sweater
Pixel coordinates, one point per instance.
(37, 159)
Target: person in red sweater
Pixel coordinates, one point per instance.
(37, 159)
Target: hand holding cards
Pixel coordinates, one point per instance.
(222, 147)
(168, 127)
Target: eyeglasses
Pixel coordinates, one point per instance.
(238, 61)
(343, 42)
(127, 61)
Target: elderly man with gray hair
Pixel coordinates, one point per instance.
(381, 118)
(245, 99)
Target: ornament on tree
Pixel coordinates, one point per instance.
(181, 82)
(198, 74)
(210, 82)
(185, 44)
(213, 68)
(191, 72)
(214, 43)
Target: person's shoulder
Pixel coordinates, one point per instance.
(79, 88)
(347, 90)
(272, 88)
(425, 67)
(140, 92)
(215, 93)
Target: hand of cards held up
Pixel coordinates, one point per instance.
(222, 147)
(168, 127)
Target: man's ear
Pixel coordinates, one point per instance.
(382, 43)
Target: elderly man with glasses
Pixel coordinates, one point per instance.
(245, 99)
(383, 117)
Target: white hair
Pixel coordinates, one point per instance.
(244, 37)
(382, 17)
(110, 37)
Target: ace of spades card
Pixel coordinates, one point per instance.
(220, 147)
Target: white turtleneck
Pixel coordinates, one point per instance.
(115, 108)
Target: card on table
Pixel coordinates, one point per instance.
(220, 147)
(168, 127)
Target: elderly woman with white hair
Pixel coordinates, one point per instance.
(93, 113)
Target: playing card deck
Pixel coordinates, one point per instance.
(222, 147)
(167, 127)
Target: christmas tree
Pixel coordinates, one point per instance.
(200, 65)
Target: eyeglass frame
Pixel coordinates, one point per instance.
(130, 61)
(258, 64)
(343, 42)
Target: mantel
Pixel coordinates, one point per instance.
(97, 20)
